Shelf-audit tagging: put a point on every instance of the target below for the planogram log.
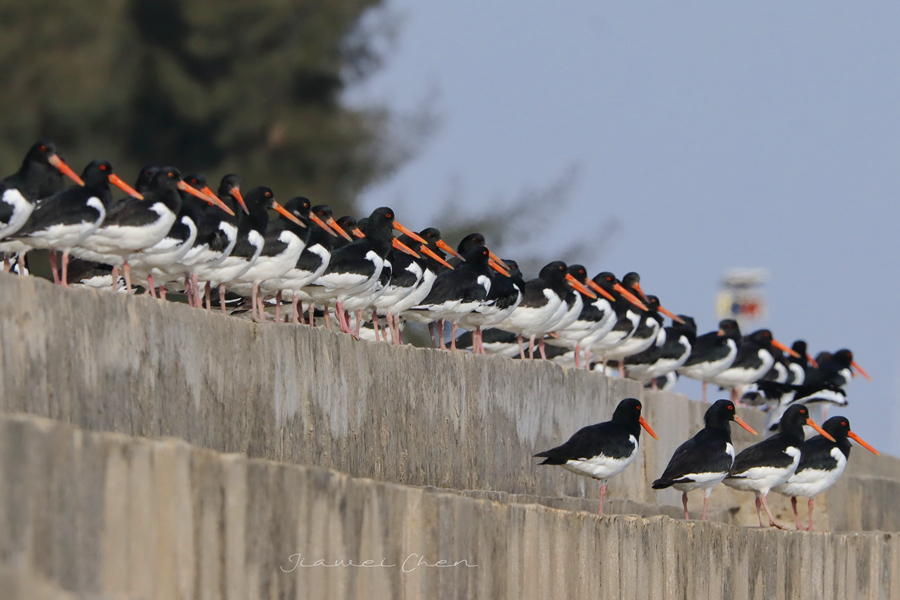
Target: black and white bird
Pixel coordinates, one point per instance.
(603, 450)
(702, 462)
(754, 358)
(771, 462)
(67, 218)
(39, 176)
(657, 361)
(311, 263)
(459, 291)
(712, 353)
(822, 461)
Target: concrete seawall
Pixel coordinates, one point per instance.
(133, 365)
(93, 515)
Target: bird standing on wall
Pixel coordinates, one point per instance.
(822, 461)
(703, 461)
(603, 450)
(771, 462)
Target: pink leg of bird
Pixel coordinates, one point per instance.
(187, 290)
(328, 318)
(162, 292)
(53, 266)
(294, 302)
(339, 313)
(578, 355)
(278, 307)
(531, 348)
(587, 358)
(542, 349)
(375, 326)
(440, 332)
(758, 513)
(772, 521)
(253, 303)
(810, 514)
(705, 504)
(115, 278)
(521, 347)
(684, 501)
(622, 368)
(602, 494)
(126, 269)
(208, 292)
(796, 514)
(312, 314)
(453, 336)
(150, 287)
(64, 278)
(195, 285)
(358, 321)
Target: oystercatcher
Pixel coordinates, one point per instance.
(822, 462)
(356, 267)
(657, 361)
(133, 224)
(649, 332)
(311, 263)
(543, 305)
(65, 219)
(411, 278)
(771, 462)
(461, 290)
(39, 176)
(603, 450)
(703, 461)
(712, 353)
(283, 241)
(503, 298)
(753, 360)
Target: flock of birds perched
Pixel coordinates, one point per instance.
(786, 462)
(174, 234)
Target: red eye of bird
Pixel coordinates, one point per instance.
(43, 148)
(844, 423)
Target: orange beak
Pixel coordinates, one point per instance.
(496, 266)
(429, 252)
(446, 248)
(784, 348)
(721, 332)
(498, 261)
(211, 198)
(600, 290)
(856, 366)
(675, 318)
(860, 441)
(287, 214)
(315, 219)
(411, 234)
(821, 431)
(629, 296)
(340, 230)
(403, 247)
(236, 194)
(357, 232)
(646, 426)
(637, 287)
(743, 424)
(812, 361)
(117, 181)
(65, 169)
(577, 285)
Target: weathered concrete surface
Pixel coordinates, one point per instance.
(106, 515)
(133, 365)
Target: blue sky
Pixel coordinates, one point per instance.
(716, 135)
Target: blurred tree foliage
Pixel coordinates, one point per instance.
(246, 86)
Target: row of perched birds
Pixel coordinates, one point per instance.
(173, 233)
(786, 462)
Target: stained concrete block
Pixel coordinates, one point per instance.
(185, 522)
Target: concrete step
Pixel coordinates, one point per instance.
(101, 515)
